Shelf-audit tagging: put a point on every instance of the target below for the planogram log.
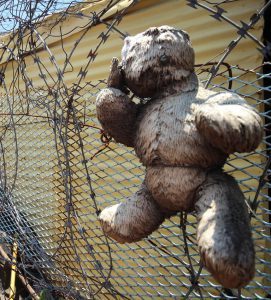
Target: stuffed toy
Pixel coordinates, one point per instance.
(183, 134)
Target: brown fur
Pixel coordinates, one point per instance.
(183, 135)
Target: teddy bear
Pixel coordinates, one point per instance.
(183, 134)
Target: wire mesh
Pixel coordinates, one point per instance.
(58, 170)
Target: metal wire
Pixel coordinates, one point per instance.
(58, 169)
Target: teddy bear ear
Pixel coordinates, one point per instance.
(185, 34)
(127, 41)
(125, 47)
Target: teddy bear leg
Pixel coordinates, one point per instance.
(133, 219)
(223, 233)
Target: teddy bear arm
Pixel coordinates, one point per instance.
(228, 123)
(117, 115)
(115, 78)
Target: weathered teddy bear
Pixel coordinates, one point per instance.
(183, 135)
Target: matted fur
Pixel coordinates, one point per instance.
(183, 135)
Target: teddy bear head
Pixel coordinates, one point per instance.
(155, 59)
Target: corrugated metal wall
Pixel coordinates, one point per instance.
(115, 173)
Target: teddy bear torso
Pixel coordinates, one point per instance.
(177, 157)
(167, 134)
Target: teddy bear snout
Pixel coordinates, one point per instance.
(164, 59)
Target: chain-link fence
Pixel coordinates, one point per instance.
(58, 170)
